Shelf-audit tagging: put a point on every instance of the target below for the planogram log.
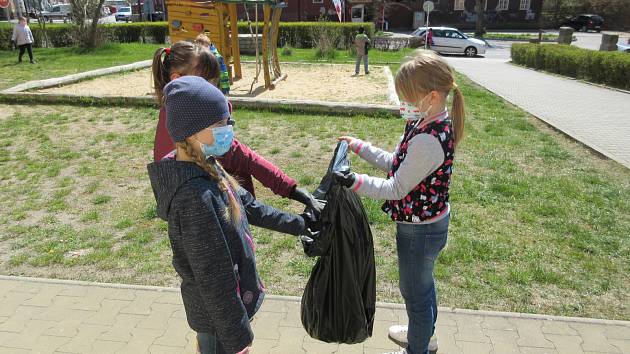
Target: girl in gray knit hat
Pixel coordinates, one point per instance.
(208, 216)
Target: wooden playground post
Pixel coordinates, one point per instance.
(265, 44)
(234, 44)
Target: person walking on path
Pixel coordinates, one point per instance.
(23, 38)
(361, 42)
(208, 217)
(430, 38)
(416, 189)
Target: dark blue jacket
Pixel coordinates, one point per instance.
(221, 289)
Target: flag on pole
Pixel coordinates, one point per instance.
(338, 8)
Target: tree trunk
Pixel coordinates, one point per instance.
(92, 38)
(479, 30)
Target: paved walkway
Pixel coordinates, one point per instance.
(596, 116)
(51, 316)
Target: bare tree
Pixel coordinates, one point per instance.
(85, 14)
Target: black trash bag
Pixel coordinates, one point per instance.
(340, 297)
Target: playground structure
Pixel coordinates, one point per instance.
(218, 20)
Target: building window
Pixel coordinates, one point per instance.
(459, 5)
(525, 4)
(503, 5)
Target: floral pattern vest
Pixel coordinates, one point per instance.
(430, 197)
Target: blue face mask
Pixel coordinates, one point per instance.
(223, 137)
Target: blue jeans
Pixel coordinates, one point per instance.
(358, 63)
(418, 247)
(208, 344)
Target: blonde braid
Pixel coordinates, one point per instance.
(223, 179)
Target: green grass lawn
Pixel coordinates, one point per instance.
(540, 224)
(55, 62)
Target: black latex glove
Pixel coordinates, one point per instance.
(308, 237)
(311, 222)
(344, 179)
(303, 196)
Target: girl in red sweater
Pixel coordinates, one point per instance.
(186, 58)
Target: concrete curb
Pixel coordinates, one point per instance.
(274, 105)
(299, 299)
(69, 79)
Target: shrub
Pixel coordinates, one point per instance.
(609, 68)
(300, 34)
(294, 34)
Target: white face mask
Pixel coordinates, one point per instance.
(411, 112)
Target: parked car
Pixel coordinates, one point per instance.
(585, 23)
(57, 12)
(123, 14)
(452, 41)
(624, 47)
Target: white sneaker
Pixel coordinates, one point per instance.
(397, 352)
(398, 335)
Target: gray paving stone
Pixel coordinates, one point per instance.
(159, 316)
(566, 344)
(141, 340)
(12, 300)
(497, 323)
(474, 347)
(534, 350)
(32, 330)
(469, 329)
(593, 338)
(530, 333)
(617, 332)
(623, 345)
(57, 327)
(446, 340)
(141, 305)
(559, 328)
(107, 313)
(503, 341)
(121, 332)
(263, 346)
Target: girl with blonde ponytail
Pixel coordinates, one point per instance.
(208, 216)
(416, 190)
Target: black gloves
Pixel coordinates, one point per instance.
(312, 226)
(345, 179)
(306, 198)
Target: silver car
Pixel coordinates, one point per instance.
(452, 41)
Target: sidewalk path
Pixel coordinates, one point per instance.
(57, 316)
(596, 116)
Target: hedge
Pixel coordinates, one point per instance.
(295, 34)
(301, 34)
(60, 35)
(608, 68)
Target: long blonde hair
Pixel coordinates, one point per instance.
(227, 183)
(425, 71)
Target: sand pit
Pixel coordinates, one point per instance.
(323, 82)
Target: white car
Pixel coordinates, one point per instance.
(452, 41)
(123, 13)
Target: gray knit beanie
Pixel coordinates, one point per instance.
(192, 104)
